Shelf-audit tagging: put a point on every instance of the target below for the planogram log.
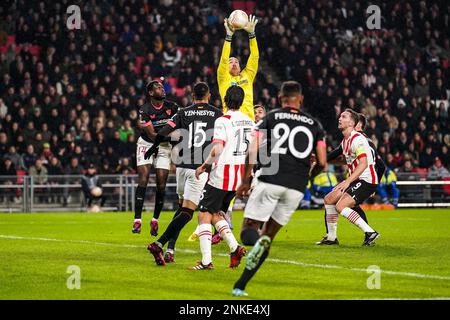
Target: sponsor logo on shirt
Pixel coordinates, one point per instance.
(239, 83)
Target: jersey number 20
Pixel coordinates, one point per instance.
(283, 133)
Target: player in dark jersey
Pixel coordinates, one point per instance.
(156, 112)
(291, 137)
(336, 157)
(196, 125)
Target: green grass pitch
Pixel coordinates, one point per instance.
(413, 254)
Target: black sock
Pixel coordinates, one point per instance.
(248, 274)
(173, 239)
(175, 226)
(361, 213)
(249, 236)
(159, 203)
(326, 225)
(177, 212)
(139, 201)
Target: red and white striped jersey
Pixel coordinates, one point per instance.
(232, 130)
(356, 147)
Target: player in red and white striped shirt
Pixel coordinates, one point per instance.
(226, 166)
(361, 183)
(232, 131)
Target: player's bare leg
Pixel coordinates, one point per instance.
(228, 217)
(257, 255)
(161, 180)
(223, 228)
(344, 205)
(143, 173)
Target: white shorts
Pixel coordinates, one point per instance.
(188, 186)
(162, 160)
(270, 200)
(255, 179)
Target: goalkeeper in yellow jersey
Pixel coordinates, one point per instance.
(229, 72)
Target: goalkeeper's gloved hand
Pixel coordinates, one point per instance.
(229, 29)
(153, 150)
(251, 24)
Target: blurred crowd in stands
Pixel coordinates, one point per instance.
(69, 98)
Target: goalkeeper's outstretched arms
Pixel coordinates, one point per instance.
(253, 59)
(223, 72)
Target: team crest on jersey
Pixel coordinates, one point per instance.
(152, 116)
(169, 112)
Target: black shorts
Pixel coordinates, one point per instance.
(361, 190)
(214, 200)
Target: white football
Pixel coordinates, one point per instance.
(96, 191)
(238, 19)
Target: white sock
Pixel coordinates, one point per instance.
(196, 230)
(136, 220)
(204, 235)
(355, 218)
(332, 217)
(224, 230)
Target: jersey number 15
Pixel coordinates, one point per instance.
(197, 135)
(242, 141)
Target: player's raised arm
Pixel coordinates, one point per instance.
(253, 59)
(223, 72)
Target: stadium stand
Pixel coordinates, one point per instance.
(73, 94)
